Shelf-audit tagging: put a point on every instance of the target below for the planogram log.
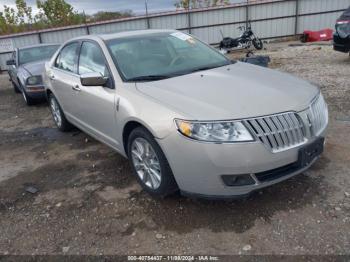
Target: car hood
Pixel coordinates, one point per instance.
(35, 68)
(235, 91)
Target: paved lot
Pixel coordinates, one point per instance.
(88, 202)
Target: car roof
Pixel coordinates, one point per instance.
(37, 45)
(125, 34)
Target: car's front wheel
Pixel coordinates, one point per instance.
(149, 164)
(15, 88)
(58, 115)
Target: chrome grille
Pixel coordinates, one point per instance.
(278, 132)
(318, 115)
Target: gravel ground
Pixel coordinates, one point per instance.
(88, 202)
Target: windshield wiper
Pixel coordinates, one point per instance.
(206, 68)
(202, 68)
(149, 78)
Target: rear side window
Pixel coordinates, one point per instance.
(67, 58)
(92, 60)
(14, 56)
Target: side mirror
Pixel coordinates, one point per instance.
(93, 79)
(10, 62)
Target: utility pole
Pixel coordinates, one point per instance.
(147, 18)
(247, 14)
(189, 20)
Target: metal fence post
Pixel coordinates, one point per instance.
(147, 18)
(296, 17)
(189, 20)
(39, 38)
(247, 14)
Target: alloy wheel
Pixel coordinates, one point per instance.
(146, 163)
(56, 113)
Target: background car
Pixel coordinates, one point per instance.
(341, 38)
(25, 70)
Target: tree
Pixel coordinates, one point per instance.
(16, 20)
(104, 16)
(186, 4)
(24, 12)
(8, 20)
(57, 13)
(51, 13)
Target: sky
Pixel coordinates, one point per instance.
(93, 6)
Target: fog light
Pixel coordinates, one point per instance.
(238, 180)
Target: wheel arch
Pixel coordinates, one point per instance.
(48, 92)
(128, 128)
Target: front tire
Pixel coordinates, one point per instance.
(58, 115)
(149, 164)
(27, 99)
(15, 88)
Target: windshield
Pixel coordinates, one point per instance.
(162, 55)
(38, 53)
(343, 28)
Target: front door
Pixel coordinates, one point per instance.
(95, 105)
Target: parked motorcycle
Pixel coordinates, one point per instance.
(245, 40)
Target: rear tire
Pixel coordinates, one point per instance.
(148, 160)
(258, 44)
(58, 115)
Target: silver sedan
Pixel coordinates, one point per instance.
(25, 70)
(186, 117)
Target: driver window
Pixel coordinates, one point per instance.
(92, 60)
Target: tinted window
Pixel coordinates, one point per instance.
(92, 59)
(67, 58)
(39, 53)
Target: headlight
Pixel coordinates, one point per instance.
(233, 131)
(34, 80)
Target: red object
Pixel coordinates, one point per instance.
(315, 36)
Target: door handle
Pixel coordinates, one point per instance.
(76, 88)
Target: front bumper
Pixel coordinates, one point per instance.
(198, 167)
(35, 92)
(345, 48)
(341, 44)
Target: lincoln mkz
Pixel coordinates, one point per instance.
(188, 118)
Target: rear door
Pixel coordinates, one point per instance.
(95, 105)
(64, 77)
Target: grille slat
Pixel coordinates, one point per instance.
(268, 132)
(259, 132)
(318, 115)
(278, 132)
(279, 126)
(286, 129)
(291, 129)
